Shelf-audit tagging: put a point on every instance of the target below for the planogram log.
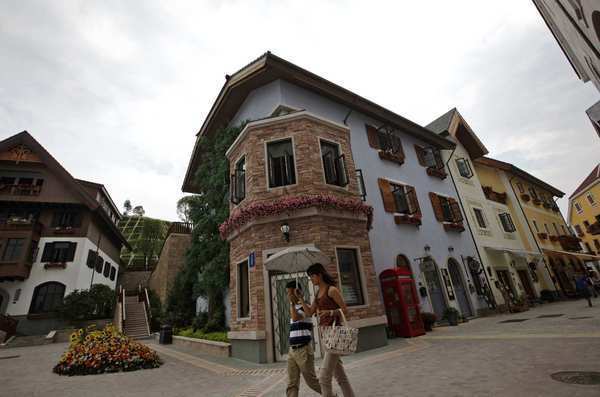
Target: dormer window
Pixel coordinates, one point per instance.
(334, 165)
(238, 181)
(281, 163)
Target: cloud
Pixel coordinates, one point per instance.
(117, 90)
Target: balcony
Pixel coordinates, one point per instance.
(20, 225)
(20, 189)
(14, 271)
(594, 228)
(490, 194)
(570, 243)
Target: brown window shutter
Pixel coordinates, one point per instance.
(456, 214)
(420, 157)
(437, 207)
(386, 194)
(413, 193)
(372, 136)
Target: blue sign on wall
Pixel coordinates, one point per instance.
(252, 260)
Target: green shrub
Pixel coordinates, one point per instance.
(155, 311)
(213, 336)
(97, 302)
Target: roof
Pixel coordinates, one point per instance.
(461, 130)
(104, 191)
(76, 186)
(594, 115)
(269, 67)
(510, 168)
(589, 180)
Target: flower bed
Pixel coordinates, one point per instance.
(98, 351)
(288, 204)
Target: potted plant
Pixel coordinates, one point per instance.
(451, 314)
(428, 320)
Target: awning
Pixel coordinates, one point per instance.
(513, 251)
(583, 257)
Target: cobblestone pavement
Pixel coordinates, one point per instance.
(484, 357)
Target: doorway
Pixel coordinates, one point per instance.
(3, 301)
(434, 286)
(524, 277)
(280, 309)
(459, 288)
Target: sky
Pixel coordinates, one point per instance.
(116, 91)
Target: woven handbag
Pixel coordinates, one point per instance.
(340, 339)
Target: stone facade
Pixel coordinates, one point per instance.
(170, 262)
(325, 229)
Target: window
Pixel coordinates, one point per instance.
(591, 199)
(479, 217)
(520, 187)
(14, 249)
(334, 165)
(113, 273)
(243, 290)
(578, 230)
(537, 229)
(546, 228)
(349, 274)
(386, 140)
(402, 261)
(430, 157)
(533, 193)
(507, 223)
(91, 259)
(362, 190)
(66, 219)
(238, 182)
(464, 167)
(405, 199)
(59, 252)
(578, 207)
(106, 272)
(389, 142)
(556, 228)
(597, 245)
(281, 163)
(99, 264)
(564, 230)
(450, 209)
(47, 297)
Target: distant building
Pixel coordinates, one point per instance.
(575, 25)
(57, 234)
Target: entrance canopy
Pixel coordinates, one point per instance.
(578, 255)
(513, 251)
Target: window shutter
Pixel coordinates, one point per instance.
(290, 177)
(413, 202)
(91, 259)
(71, 253)
(372, 137)
(437, 207)
(400, 199)
(397, 145)
(48, 252)
(420, 156)
(329, 168)
(387, 196)
(456, 213)
(55, 219)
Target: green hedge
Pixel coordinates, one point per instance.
(214, 336)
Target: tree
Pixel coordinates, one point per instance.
(138, 210)
(151, 239)
(184, 208)
(206, 270)
(127, 207)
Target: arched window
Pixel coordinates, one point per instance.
(47, 297)
(402, 261)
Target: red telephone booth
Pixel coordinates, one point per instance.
(401, 302)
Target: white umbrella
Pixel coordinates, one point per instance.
(296, 259)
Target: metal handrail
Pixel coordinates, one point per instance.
(123, 307)
(148, 303)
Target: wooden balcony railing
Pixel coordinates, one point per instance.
(490, 194)
(594, 228)
(570, 243)
(180, 228)
(21, 190)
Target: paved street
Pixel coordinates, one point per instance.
(484, 357)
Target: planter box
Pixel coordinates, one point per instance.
(396, 158)
(440, 173)
(220, 349)
(454, 227)
(543, 236)
(525, 197)
(401, 219)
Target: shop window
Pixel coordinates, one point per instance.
(66, 219)
(14, 249)
(334, 164)
(464, 167)
(281, 163)
(59, 252)
(507, 223)
(113, 273)
(238, 182)
(47, 297)
(106, 272)
(243, 290)
(480, 218)
(349, 274)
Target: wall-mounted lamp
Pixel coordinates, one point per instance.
(427, 248)
(285, 229)
(450, 249)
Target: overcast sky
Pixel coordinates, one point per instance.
(116, 91)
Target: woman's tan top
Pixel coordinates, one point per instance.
(325, 303)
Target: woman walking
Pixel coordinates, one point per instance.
(327, 305)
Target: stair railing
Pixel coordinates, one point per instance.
(123, 316)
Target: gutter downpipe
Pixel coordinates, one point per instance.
(470, 230)
(533, 235)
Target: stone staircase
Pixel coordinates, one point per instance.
(136, 323)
